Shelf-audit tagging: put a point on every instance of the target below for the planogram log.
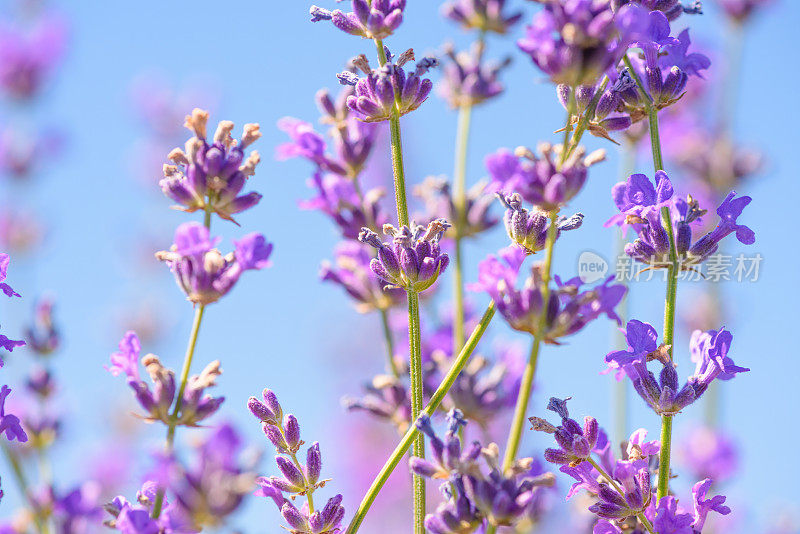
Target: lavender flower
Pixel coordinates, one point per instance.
(709, 453)
(666, 396)
(438, 198)
(484, 491)
(195, 406)
(740, 11)
(540, 179)
(576, 41)
(528, 229)
(387, 398)
(468, 81)
(4, 287)
(606, 117)
(388, 91)
(575, 443)
(483, 15)
(27, 55)
(352, 272)
(42, 335)
(211, 176)
(414, 260)
(568, 309)
(338, 198)
(296, 479)
(640, 202)
(9, 423)
(376, 19)
(201, 271)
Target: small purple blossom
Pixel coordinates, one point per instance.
(414, 260)
(202, 272)
(468, 80)
(540, 179)
(376, 19)
(9, 423)
(709, 453)
(436, 192)
(386, 398)
(388, 91)
(528, 229)
(27, 55)
(43, 336)
(568, 309)
(483, 15)
(575, 443)
(606, 117)
(211, 176)
(338, 198)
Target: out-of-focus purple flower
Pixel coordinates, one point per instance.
(468, 80)
(448, 457)
(575, 443)
(20, 231)
(439, 201)
(414, 260)
(640, 202)
(376, 19)
(576, 41)
(352, 272)
(21, 153)
(195, 406)
(325, 521)
(201, 271)
(483, 15)
(387, 398)
(456, 515)
(9, 423)
(5, 288)
(528, 229)
(665, 395)
(540, 179)
(338, 198)
(388, 91)
(41, 383)
(28, 55)
(741, 10)
(709, 453)
(568, 309)
(211, 176)
(78, 509)
(42, 335)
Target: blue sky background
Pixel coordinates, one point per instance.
(282, 328)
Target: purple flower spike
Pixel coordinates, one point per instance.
(540, 179)
(385, 398)
(211, 176)
(606, 118)
(388, 91)
(528, 229)
(484, 15)
(568, 309)
(436, 193)
(371, 20)
(28, 55)
(468, 81)
(575, 442)
(43, 337)
(414, 260)
(201, 271)
(352, 272)
(448, 458)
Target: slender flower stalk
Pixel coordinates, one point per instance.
(413, 432)
(387, 336)
(459, 193)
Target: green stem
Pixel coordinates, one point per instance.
(583, 123)
(412, 432)
(387, 336)
(619, 490)
(187, 364)
(416, 405)
(652, 116)
(515, 434)
(460, 224)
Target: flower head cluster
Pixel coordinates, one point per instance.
(541, 179)
(211, 176)
(640, 202)
(484, 494)
(376, 19)
(436, 192)
(664, 67)
(195, 405)
(388, 91)
(338, 198)
(568, 309)
(468, 80)
(665, 395)
(576, 41)
(604, 117)
(352, 272)
(296, 479)
(575, 443)
(386, 398)
(201, 271)
(42, 334)
(413, 260)
(528, 229)
(483, 15)
(27, 55)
